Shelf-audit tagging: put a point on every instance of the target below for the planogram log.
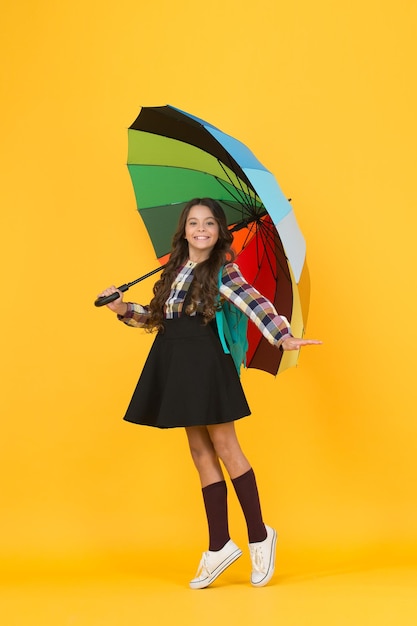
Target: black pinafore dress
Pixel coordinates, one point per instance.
(187, 379)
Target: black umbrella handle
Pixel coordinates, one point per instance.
(107, 299)
(113, 296)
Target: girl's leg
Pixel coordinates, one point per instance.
(222, 551)
(213, 485)
(204, 455)
(262, 539)
(227, 447)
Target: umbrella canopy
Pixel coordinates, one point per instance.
(173, 157)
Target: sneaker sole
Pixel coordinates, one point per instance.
(271, 567)
(202, 584)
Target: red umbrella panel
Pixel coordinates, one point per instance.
(263, 263)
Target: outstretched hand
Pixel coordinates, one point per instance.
(294, 343)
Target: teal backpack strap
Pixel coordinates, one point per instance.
(235, 330)
(219, 316)
(232, 326)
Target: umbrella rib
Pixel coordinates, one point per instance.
(252, 198)
(266, 240)
(248, 236)
(268, 234)
(239, 197)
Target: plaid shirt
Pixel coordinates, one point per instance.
(274, 327)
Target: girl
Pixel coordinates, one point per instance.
(187, 355)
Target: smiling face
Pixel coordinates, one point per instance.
(201, 232)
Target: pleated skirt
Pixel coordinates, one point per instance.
(187, 379)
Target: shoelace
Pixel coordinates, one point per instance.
(203, 567)
(257, 558)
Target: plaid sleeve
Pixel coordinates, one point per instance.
(136, 315)
(274, 327)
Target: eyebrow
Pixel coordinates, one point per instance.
(205, 219)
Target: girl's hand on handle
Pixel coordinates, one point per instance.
(294, 343)
(117, 306)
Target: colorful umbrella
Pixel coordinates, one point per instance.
(173, 157)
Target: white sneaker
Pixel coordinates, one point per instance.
(212, 564)
(262, 555)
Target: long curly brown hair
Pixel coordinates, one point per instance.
(204, 288)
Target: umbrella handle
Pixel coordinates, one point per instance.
(113, 296)
(107, 299)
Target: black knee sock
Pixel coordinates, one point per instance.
(247, 493)
(215, 501)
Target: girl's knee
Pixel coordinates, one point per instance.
(201, 447)
(201, 454)
(224, 439)
(227, 448)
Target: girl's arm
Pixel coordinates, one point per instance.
(274, 327)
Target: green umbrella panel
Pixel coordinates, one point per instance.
(167, 173)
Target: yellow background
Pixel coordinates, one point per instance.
(324, 94)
